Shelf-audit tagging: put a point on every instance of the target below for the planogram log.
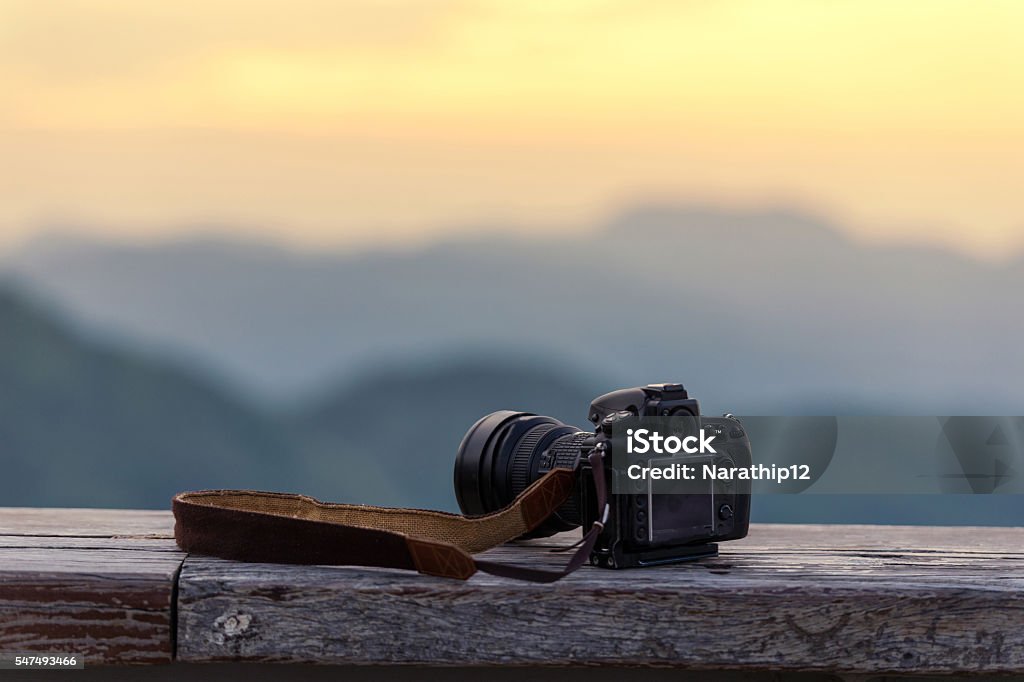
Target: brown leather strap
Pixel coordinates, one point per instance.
(248, 525)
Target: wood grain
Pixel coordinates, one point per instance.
(860, 600)
(97, 583)
(86, 522)
(844, 599)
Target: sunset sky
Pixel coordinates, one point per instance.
(350, 123)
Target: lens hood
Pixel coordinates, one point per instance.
(483, 465)
(474, 463)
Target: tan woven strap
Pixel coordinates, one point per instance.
(248, 525)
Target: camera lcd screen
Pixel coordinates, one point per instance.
(678, 516)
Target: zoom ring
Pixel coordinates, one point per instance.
(564, 453)
(520, 477)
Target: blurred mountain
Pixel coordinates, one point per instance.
(87, 424)
(84, 423)
(403, 424)
(758, 312)
(213, 362)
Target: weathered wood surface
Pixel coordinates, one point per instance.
(90, 523)
(97, 583)
(842, 599)
(849, 599)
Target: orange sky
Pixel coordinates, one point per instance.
(354, 123)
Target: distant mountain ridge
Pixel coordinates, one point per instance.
(89, 424)
(85, 423)
(408, 421)
(759, 311)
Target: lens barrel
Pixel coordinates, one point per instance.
(505, 452)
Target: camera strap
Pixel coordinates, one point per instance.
(247, 525)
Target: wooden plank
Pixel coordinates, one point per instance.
(844, 599)
(86, 522)
(848, 599)
(98, 583)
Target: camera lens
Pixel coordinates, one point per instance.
(505, 452)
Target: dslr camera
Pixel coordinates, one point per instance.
(506, 451)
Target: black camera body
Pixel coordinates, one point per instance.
(506, 451)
